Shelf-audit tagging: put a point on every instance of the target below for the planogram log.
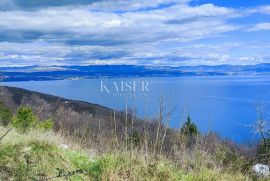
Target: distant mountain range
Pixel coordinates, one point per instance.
(82, 72)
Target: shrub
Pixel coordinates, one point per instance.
(134, 140)
(263, 151)
(5, 114)
(188, 133)
(189, 128)
(46, 125)
(24, 119)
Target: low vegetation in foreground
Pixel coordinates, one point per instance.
(41, 156)
(31, 150)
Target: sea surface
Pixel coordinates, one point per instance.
(223, 104)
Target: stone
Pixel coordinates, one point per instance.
(261, 170)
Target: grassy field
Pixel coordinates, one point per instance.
(38, 155)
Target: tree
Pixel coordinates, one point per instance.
(261, 127)
(189, 128)
(24, 119)
(5, 114)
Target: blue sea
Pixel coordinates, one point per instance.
(223, 104)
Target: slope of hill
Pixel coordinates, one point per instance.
(72, 116)
(67, 114)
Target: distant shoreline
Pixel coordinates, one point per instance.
(36, 73)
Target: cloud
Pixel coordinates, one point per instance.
(45, 54)
(7, 4)
(154, 32)
(85, 25)
(260, 27)
(264, 9)
(122, 6)
(35, 4)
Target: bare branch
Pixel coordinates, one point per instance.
(4, 135)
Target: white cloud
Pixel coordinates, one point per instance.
(120, 32)
(260, 27)
(135, 26)
(264, 9)
(46, 54)
(133, 5)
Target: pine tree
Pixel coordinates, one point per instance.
(189, 128)
(24, 119)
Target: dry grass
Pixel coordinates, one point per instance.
(119, 163)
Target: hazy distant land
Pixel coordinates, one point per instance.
(9, 74)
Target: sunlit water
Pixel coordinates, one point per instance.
(220, 104)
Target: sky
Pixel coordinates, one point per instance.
(136, 32)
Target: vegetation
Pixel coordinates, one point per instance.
(25, 119)
(189, 128)
(5, 115)
(45, 125)
(262, 128)
(33, 151)
(263, 151)
(37, 155)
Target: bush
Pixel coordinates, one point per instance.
(134, 140)
(263, 151)
(24, 119)
(189, 133)
(46, 125)
(189, 128)
(5, 114)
